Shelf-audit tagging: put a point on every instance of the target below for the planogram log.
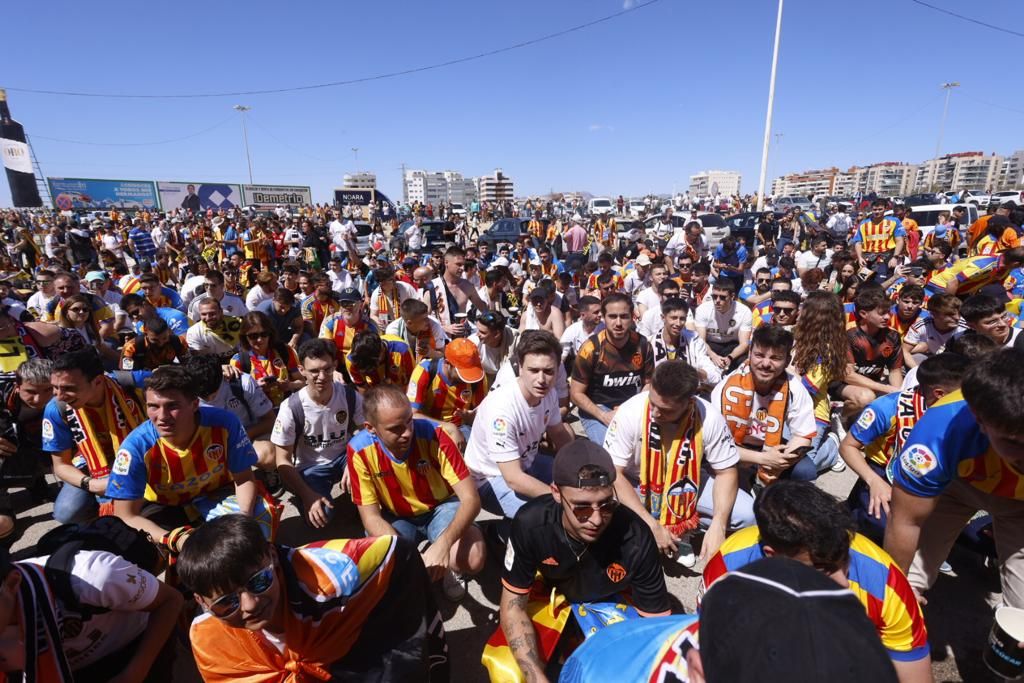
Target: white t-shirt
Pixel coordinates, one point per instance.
(491, 358)
(37, 303)
(624, 436)
(190, 287)
(723, 328)
(102, 579)
(113, 244)
(649, 298)
(325, 432)
(230, 304)
(923, 330)
(799, 414)
(255, 397)
(404, 291)
(574, 336)
(807, 260)
(256, 296)
(506, 428)
(506, 375)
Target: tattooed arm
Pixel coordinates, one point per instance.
(521, 637)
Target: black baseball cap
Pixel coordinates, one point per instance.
(576, 455)
(349, 295)
(778, 620)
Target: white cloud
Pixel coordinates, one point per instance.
(595, 127)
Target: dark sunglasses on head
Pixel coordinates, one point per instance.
(258, 584)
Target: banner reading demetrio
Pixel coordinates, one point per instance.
(270, 196)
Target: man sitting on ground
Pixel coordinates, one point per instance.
(408, 479)
(449, 391)
(347, 610)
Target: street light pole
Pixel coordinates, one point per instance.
(948, 87)
(241, 108)
(768, 116)
(355, 153)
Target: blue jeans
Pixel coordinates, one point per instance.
(498, 498)
(427, 526)
(742, 510)
(74, 506)
(322, 478)
(594, 428)
(824, 451)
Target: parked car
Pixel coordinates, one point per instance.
(600, 205)
(506, 230)
(1003, 196)
(715, 228)
(927, 216)
(363, 230)
(458, 209)
(744, 225)
(792, 202)
(433, 233)
(637, 207)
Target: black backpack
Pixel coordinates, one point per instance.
(110, 534)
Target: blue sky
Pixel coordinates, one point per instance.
(632, 105)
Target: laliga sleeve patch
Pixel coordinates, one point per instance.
(918, 460)
(510, 556)
(122, 462)
(47, 430)
(866, 419)
(500, 426)
(127, 363)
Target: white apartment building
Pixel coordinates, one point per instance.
(434, 187)
(889, 179)
(1011, 174)
(496, 187)
(806, 184)
(710, 183)
(959, 171)
(362, 180)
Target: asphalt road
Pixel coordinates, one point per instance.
(958, 612)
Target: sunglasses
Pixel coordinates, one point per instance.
(78, 309)
(584, 511)
(257, 335)
(763, 281)
(258, 584)
(787, 310)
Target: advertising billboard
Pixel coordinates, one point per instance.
(198, 196)
(91, 193)
(264, 197)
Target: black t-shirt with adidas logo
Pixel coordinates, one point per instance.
(625, 557)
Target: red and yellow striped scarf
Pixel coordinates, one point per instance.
(737, 403)
(670, 481)
(99, 432)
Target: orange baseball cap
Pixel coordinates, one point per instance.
(463, 355)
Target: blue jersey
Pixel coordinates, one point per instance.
(876, 428)
(948, 444)
(651, 649)
(148, 467)
(175, 319)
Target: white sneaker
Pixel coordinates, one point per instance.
(685, 555)
(947, 569)
(454, 586)
(839, 465)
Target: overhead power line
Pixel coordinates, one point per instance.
(968, 19)
(352, 81)
(134, 144)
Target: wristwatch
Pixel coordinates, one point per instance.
(84, 484)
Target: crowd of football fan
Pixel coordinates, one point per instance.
(618, 396)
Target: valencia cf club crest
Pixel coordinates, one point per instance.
(616, 572)
(342, 417)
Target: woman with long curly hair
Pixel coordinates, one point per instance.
(820, 355)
